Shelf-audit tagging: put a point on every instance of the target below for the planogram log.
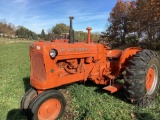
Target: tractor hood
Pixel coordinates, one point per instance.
(76, 50)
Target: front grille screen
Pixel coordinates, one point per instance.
(38, 71)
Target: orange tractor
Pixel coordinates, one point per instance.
(63, 38)
(54, 64)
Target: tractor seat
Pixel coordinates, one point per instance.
(114, 53)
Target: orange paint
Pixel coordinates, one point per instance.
(114, 53)
(150, 79)
(49, 110)
(89, 34)
(74, 62)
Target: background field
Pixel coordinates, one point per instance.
(84, 101)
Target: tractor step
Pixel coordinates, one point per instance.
(113, 88)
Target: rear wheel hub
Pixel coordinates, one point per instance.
(151, 79)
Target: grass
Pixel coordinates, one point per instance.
(14, 68)
(92, 103)
(9, 40)
(84, 101)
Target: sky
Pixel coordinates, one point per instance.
(44, 14)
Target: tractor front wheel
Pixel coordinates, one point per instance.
(49, 105)
(28, 97)
(142, 75)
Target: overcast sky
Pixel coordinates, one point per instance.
(44, 14)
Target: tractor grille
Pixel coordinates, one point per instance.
(38, 71)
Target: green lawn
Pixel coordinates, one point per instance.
(84, 101)
(14, 69)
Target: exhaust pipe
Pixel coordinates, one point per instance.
(71, 31)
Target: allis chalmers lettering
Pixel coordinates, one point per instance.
(77, 49)
(74, 49)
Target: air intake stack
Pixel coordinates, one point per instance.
(71, 31)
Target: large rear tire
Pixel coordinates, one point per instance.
(49, 105)
(142, 75)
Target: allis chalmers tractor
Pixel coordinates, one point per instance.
(54, 64)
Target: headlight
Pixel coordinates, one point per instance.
(53, 53)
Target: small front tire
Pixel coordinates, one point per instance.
(28, 97)
(49, 105)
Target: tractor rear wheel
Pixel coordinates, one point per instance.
(28, 97)
(49, 105)
(142, 75)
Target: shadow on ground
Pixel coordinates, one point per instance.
(26, 82)
(18, 114)
(99, 89)
(144, 116)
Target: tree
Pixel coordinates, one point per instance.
(149, 23)
(119, 19)
(59, 29)
(80, 36)
(95, 36)
(20, 32)
(43, 35)
(7, 28)
(138, 17)
(23, 32)
(50, 35)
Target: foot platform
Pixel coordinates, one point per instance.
(113, 88)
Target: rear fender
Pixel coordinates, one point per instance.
(125, 55)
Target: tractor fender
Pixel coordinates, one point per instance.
(129, 52)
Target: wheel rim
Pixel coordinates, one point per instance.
(151, 79)
(49, 110)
